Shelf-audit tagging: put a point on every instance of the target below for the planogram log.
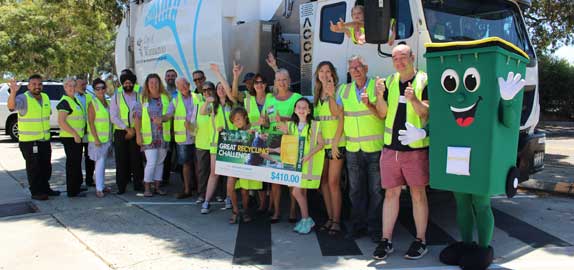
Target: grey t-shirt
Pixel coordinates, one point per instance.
(22, 104)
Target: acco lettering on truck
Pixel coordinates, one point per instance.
(307, 16)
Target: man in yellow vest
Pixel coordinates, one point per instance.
(184, 108)
(85, 98)
(34, 111)
(198, 80)
(127, 153)
(364, 132)
(403, 98)
(171, 87)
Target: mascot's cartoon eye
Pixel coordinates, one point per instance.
(449, 80)
(471, 79)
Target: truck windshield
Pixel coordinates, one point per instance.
(462, 20)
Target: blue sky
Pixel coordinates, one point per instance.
(566, 52)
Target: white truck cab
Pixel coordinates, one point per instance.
(189, 35)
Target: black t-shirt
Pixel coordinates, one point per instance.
(401, 116)
(65, 106)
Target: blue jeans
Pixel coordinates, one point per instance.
(365, 191)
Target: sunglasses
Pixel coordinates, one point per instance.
(199, 79)
(258, 82)
(100, 88)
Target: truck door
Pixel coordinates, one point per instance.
(406, 31)
(325, 45)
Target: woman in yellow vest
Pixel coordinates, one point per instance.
(331, 127)
(99, 134)
(253, 102)
(276, 110)
(217, 105)
(72, 127)
(302, 125)
(153, 131)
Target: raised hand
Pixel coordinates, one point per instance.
(271, 61)
(14, 87)
(410, 92)
(510, 87)
(237, 69)
(214, 67)
(365, 98)
(380, 87)
(411, 134)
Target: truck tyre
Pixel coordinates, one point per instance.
(12, 128)
(512, 181)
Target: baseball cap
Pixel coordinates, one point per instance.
(248, 76)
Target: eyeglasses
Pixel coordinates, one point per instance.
(258, 82)
(199, 79)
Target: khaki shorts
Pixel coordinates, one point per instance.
(399, 168)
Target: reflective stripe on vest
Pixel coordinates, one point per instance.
(328, 124)
(147, 123)
(179, 118)
(363, 130)
(418, 85)
(76, 119)
(352, 32)
(35, 124)
(101, 122)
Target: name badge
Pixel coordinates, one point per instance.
(402, 99)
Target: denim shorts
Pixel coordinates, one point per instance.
(185, 153)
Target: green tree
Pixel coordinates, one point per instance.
(551, 24)
(57, 38)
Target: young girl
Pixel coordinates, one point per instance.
(354, 30)
(218, 105)
(302, 125)
(240, 120)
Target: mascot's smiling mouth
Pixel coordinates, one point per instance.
(465, 116)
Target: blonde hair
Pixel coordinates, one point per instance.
(146, 92)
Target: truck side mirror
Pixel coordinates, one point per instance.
(377, 21)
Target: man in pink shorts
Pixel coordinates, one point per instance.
(403, 161)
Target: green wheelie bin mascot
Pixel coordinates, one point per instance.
(474, 120)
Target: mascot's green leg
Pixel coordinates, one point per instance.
(484, 219)
(465, 215)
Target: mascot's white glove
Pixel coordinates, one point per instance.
(510, 87)
(411, 134)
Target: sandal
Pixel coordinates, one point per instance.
(107, 190)
(233, 218)
(326, 226)
(100, 194)
(246, 218)
(335, 229)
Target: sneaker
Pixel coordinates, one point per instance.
(228, 204)
(219, 198)
(199, 200)
(205, 208)
(298, 225)
(307, 225)
(383, 250)
(417, 250)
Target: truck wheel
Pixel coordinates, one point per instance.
(12, 128)
(512, 181)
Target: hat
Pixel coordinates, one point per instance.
(248, 76)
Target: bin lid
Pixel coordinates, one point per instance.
(480, 43)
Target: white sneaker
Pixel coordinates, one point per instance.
(199, 200)
(205, 208)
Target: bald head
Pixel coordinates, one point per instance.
(403, 59)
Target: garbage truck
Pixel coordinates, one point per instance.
(189, 35)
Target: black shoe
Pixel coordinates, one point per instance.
(77, 195)
(138, 189)
(274, 220)
(383, 250)
(120, 192)
(478, 258)
(417, 250)
(451, 254)
(90, 183)
(53, 193)
(40, 197)
(83, 189)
